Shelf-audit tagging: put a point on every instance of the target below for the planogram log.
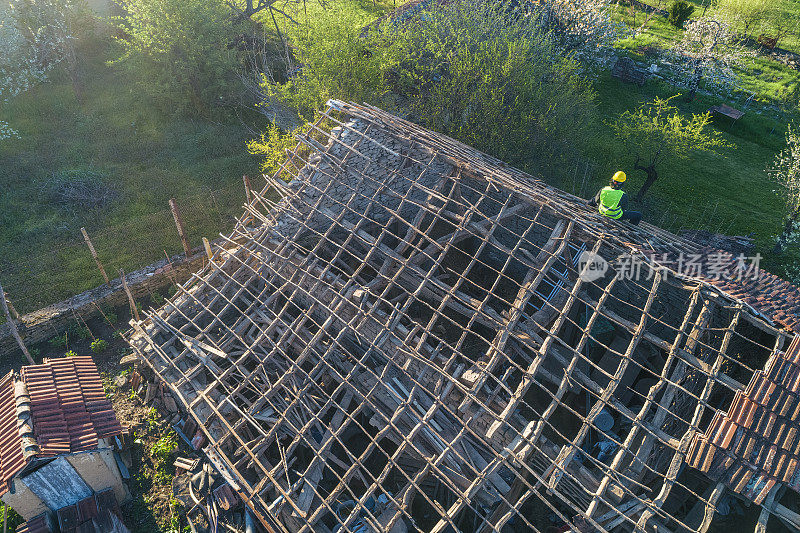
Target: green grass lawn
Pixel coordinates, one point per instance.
(142, 155)
(145, 157)
(725, 191)
(787, 9)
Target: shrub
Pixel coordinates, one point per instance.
(70, 354)
(161, 452)
(480, 72)
(59, 341)
(339, 60)
(679, 12)
(273, 145)
(77, 330)
(181, 51)
(495, 80)
(99, 345)
(110, 316)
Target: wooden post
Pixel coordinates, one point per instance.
(134, 311)
(247, 188)
(179, 224)
(207, 246)
(13, 326)
(11, 308)
(94, 255)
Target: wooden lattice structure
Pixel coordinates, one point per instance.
(403, 340)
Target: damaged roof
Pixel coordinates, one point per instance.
(406, 339)
(53, 408)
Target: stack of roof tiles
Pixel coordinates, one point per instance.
(11, 458)
(739, 276)
(757, 443)
(69, 407)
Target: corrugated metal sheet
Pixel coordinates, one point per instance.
(57, 484)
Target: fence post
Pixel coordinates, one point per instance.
(11, 308)
(94, 254)
(207, 246)
(134, 311)
(179, 224)
(13, 327)
(247, 188)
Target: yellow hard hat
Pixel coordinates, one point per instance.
(620, 177)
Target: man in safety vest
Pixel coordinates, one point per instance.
(612, 201)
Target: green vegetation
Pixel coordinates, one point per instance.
(71, 353)
(9, 515)
(182, 53)
(143, 155)
(161, 452)
(679, 12)
(657, 133)
(99, 345)
(148, 122)
(59, 341)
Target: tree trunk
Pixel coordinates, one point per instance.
(787, 231)
(652, 176)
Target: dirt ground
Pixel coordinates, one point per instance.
(152, 507)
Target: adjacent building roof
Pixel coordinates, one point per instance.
(407, 338)
(53, 408)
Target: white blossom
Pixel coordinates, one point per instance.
(706, 56)
(6, 132)
(35, 35)
(581, 28)
(785, 171)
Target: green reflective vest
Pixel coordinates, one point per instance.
(609, 202)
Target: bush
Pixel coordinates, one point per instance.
(480, 72)
(495, 80)
(71, 353)
(59, 341)
(99, 345)
(679, 12)
(181, 51)
(273, 145)
(338, 60)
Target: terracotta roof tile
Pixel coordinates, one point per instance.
(757, 442)
(35, 525)
(11, 458)
(68, 408)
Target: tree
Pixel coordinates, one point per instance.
(656, 132)
(333, 57)
(747, 15)
(35, 36)
(182, 51)
(785, 171)
(706, 55)
(679, 12)
(481, 73)
(581, 29)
